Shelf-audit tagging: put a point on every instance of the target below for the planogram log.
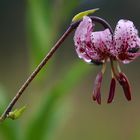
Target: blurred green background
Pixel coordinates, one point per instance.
(59, 105)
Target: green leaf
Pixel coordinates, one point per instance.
(16, 113)
(80, 15)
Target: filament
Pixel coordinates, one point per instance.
(103, 68)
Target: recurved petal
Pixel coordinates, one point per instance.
(82, 36)
(83, 30)
(125, 36)
(102, 40)
(81, 51)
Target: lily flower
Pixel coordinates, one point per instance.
(100, 47)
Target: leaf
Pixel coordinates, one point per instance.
(82, 14)
(16, 113)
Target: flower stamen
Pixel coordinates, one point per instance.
(112, 90)
(118, 67)
(124, 82)
(103, 68)
(113, 68)
(97, 87)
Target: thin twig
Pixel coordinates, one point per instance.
(35, 72)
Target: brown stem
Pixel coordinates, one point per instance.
(103, 22)
(35, 72)
(45, 60)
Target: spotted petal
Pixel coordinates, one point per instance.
(125, 39)
(82, 36)
(102, 42)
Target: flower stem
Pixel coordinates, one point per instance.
(35, 72)
(103, 22)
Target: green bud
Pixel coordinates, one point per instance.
(82, 14)
(16, 113)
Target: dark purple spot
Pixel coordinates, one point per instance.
(81, 50)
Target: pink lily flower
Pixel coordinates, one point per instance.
(102, 46)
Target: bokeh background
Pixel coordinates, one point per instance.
(59, 105)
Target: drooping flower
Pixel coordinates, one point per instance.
(103, 46)
(92, 45)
